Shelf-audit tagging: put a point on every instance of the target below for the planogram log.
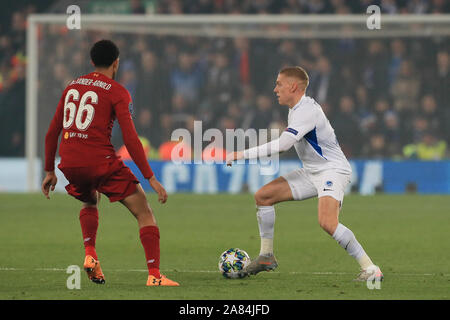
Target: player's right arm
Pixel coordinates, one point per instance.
(281, 144)
(49, 183)
(51, 145)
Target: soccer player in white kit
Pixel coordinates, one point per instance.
(325, 174)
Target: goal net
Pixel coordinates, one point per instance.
(221, 69)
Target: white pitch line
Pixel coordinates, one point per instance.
(212, 271)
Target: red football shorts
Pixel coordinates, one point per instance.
(114, 179)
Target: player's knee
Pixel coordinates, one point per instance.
(92, 200)
(263, 198)
(147, 218)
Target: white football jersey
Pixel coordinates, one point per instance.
(317, 145)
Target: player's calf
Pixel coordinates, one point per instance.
(329, 226)
(137, 204)
(328, 213)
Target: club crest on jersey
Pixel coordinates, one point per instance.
(329, 183)
(293, 131)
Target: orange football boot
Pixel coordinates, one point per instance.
(93, 269)
(163, 281)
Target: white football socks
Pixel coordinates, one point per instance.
(343, 235)
(266, 222)
(347, 240)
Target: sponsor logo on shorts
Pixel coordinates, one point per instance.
(328, 185)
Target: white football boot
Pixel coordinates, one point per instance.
(262, 263)
(371, 273)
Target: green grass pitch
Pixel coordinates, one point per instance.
(406, 235)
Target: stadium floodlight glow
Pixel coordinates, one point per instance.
(208, 26)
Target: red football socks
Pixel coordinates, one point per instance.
(89, 226)
(150, 241)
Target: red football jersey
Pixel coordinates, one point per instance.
(85, 115)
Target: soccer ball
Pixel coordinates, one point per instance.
(232, 261)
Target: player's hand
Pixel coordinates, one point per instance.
(49, 183)
(233, 156)
(159, 189)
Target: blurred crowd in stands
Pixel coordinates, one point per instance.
(295, 6)
(386, 98)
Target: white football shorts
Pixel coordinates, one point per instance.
(305, 185)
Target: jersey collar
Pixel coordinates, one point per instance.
(299, 102)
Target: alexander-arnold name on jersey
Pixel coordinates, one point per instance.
(90, 82)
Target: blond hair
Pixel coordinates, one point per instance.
(297, 73)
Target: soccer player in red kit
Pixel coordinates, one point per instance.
(85, 115)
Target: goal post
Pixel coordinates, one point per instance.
(296, 27)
